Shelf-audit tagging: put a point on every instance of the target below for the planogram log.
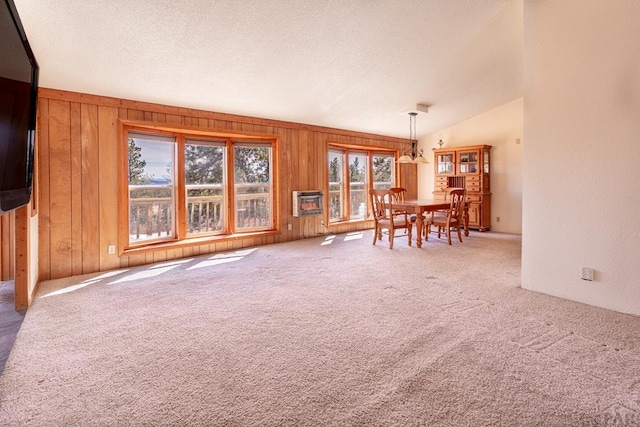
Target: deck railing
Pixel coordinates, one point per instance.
(335, 200)
(151, 215)
(357, 199)
(253, 207)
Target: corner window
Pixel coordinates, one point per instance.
(352, 173)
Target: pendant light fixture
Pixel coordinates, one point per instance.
(414, 155)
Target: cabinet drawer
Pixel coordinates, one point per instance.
(474, 198)
(473, 179)
(473, 187)
(441, 179)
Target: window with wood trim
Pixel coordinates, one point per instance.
(182, 186)
(352, 173)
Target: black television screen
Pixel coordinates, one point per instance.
(18, 96)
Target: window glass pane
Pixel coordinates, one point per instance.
(336, 185)
(151, 190)
(204, 179)
(252, 184)
(469, 162)
(383, 171)
(445, 163)
(358, 185)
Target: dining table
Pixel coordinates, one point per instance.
(420, 206)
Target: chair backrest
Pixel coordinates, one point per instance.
(457, 202)
(381, 201)
(398, 193)
(447, 194)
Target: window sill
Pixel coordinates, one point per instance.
(194, 241)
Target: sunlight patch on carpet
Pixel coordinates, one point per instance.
(353, 236)
(154, 272)
(328, 240)
(223, 259)
(170, 263)
(85, 283)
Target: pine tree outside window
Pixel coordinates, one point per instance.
(151, 189)
(336, 185)
(252, 185)
(383, 170)
(358, 185)
(204, 162)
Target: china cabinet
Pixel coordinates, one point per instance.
(469, 168)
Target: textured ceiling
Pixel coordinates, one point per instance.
(350, 64)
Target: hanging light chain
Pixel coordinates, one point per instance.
(412, 135)
(413, 155)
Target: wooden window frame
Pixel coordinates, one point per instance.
(182, 133)
(369, 151)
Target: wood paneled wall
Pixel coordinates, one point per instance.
(7, 246)
(78, 184)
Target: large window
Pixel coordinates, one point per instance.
(352, 173)
(383, 171)
(252, 185)
(205, 186)
(336, 184)
(151, 189)
(181, 186)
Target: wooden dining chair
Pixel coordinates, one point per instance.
(385, 217)
(398, 196)
(449, 219)
(398, 193)
(428, 216)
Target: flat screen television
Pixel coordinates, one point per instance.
(18, 96)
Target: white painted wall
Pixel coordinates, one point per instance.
(581, 160)
(501, 128)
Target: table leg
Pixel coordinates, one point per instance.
(466, 220)
(419, 227)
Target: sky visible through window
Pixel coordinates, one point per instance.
(157, 156)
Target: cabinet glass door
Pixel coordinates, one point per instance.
(445, 163)
(468, 162)
(486, 161)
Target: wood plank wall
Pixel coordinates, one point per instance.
(7, 246)
(77, 153)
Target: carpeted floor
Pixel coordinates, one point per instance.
(322, 332)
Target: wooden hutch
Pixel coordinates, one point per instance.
(466, 167)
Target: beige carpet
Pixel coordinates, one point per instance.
(322, 332)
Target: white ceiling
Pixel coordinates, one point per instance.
(350, 64)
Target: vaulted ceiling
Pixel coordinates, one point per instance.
(350, 64)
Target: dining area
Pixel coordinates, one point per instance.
(392, 212)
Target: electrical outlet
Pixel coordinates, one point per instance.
(289, 227)
(497, 219)
(587, 274)
(112, 249)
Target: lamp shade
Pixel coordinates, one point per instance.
(420, 159)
